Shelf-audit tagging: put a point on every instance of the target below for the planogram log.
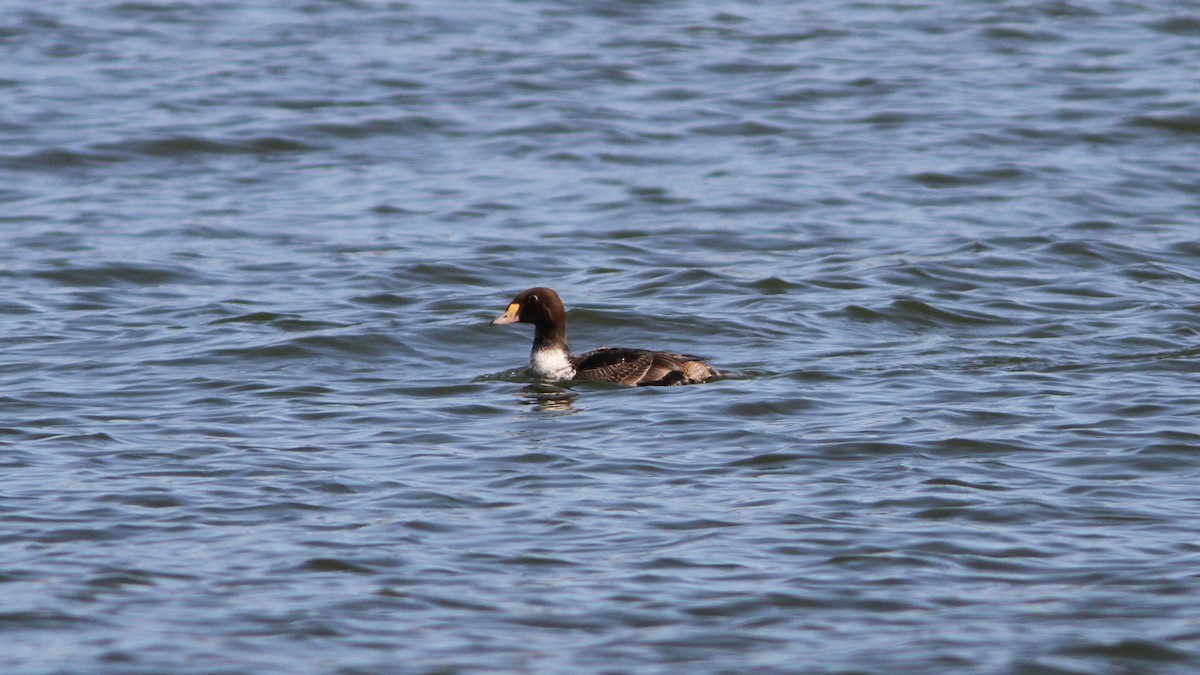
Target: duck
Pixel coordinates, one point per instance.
(551, 358)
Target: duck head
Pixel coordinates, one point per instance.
(539, 306)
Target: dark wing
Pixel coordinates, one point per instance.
(640, 367)
(613, 364)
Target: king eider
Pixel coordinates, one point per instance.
(551, 359)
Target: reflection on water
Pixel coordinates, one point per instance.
(548, 398)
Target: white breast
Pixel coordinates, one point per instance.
(551, 364)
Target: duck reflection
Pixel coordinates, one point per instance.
(547, 398)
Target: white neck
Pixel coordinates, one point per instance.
(551, 363)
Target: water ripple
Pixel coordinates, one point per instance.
(255, 417)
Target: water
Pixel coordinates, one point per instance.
(254, 419)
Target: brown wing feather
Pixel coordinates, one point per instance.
(641, 367)
(613, 364)
(669, 369)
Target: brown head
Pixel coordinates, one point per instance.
(539, 306)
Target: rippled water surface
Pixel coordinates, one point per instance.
(254, 420)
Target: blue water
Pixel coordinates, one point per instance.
(253, 417)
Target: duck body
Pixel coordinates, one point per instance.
(551, 358)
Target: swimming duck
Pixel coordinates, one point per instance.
(551, 359)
